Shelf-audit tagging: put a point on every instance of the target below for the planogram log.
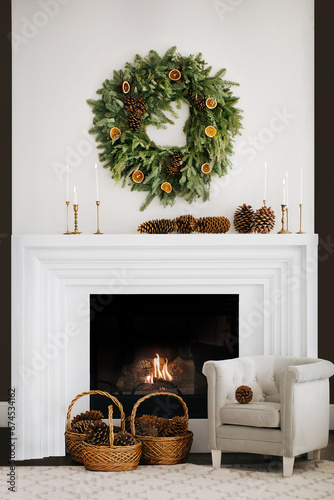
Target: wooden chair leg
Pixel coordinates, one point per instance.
(316, 455)
(216, 458)
(288, 466)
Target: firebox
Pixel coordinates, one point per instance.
(145, 343)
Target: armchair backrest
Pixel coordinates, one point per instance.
(261, 373)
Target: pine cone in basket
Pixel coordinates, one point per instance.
(146, 426)
(82, 426)
(244, 394)
(163, 425)
(124, 439)
(88, 415)
(178, 426)
(98, 434)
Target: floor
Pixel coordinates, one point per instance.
(194, 458)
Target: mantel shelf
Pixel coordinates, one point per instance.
(166, 240)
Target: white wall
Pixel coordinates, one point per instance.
(64, 49)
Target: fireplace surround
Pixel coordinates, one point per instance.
(275, 277)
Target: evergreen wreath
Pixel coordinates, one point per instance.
(139, 96)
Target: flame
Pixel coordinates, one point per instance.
(149, 379)
(164, 374)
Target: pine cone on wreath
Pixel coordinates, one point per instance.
(98, 434)
(175, 164)
(200, 103)
(244, 394)
(124, 439)
(263, 220)
(191, 95)
(134, 121)
(88, 415)
(81, 426)
(178, 426)
(243, 218)
(130, 102)
(212, 225)
(140, 106)
(185, 224)
(158, 226)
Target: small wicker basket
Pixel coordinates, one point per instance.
(111, 458)
(74, 440)
(163, 450)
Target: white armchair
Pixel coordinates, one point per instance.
(289, 412)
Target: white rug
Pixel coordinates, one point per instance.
(310, 480)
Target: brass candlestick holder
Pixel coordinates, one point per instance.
(283, 230)
(300, 218)
(68, 230)
(98, 217)
(287, 221)
(76, 208)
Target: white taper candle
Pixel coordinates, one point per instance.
(284, 199)
(75, 196)
(97, 184)
(67, 185)
(301, 186)
(265, 181)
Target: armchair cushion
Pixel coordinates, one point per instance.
(251, 414)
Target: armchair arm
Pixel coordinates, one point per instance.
(304, 392)
(317, 370)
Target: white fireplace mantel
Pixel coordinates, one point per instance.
(53, 276)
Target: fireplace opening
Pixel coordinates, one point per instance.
(145, 343)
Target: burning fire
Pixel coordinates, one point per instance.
(158, 372)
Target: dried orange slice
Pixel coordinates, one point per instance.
(174, 74)
(138, 176)
(211, 103)
(115, 133)
(125, 87)
(206, 168)
(210, 131)
(166, 186)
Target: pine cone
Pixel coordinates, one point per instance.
(178, 426)
(88, 415)
(158, 226)
(185, 224)
(140, 106)
(175, 164)
(146, 425)
(200, 103)
(130, 101)
(124, 439)
(163, 425)
(263, 220)
(244, 394)
(243, 218)
(212, 225)
(191, 95)
(81, 426)
(134, 121)
(98, 434)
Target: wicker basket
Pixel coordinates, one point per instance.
(163, 450)
(111, 458)
(74, 440)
